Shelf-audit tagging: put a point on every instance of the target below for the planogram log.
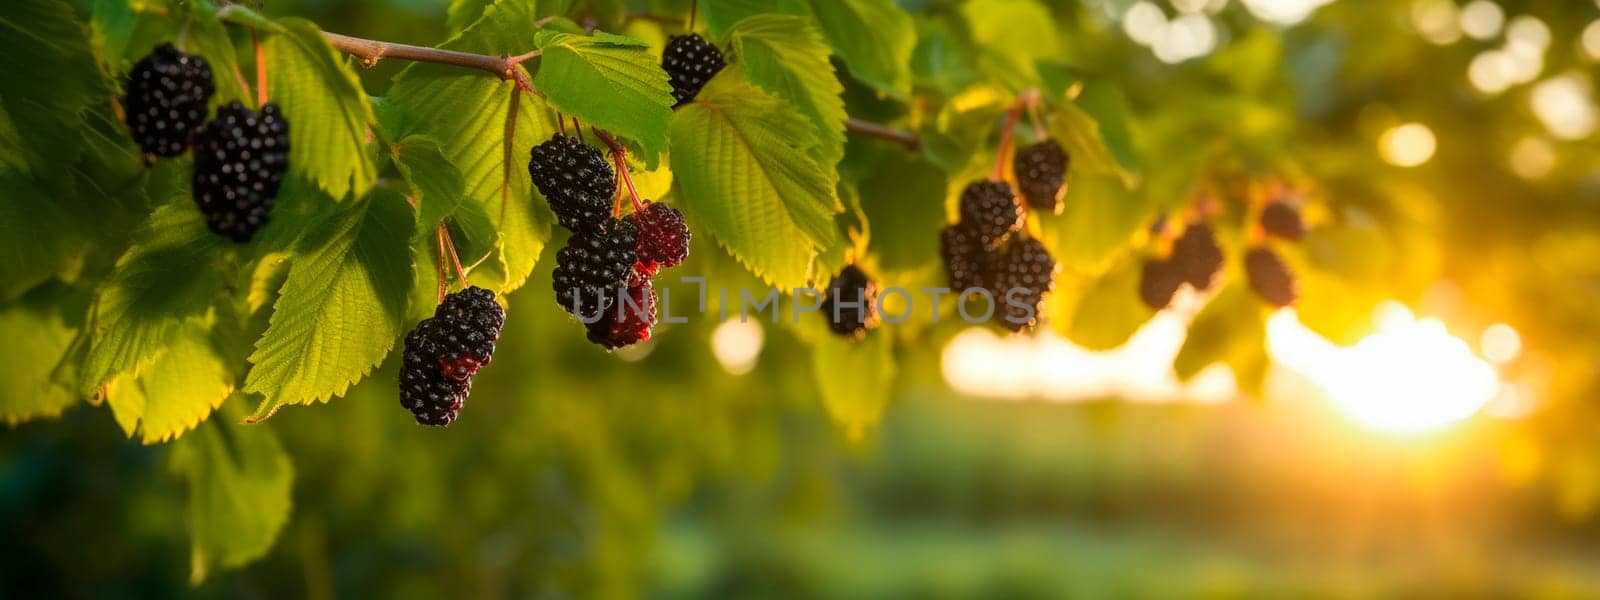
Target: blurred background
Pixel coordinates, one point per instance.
(1423, 424)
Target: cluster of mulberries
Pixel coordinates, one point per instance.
(240, 156)
(1196, 259)
(602, 275)
(1268, 274)
(690, 61)
(987, 250)
(443, 353)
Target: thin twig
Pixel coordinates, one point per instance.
(454, 258)
(1023, 101)
(619, 154)
(444, 286)
(261, 68)
(883, 132)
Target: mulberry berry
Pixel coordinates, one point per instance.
(629, 322)
(576, 180)
(1282, 220)
(1022, 275)
(663, 237)
(1270, 277)
(690, 61)
(1196, 256)
(166, 98)
(1041, 171)
(239, 161)
(443, 353)
(989, 209)
(1158, 282)
(593, 267)
(965, 262)
(851, 303)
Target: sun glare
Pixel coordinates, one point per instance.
(1409, 377)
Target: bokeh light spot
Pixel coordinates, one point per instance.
(1482, 19)
(737, 345)
(1407, 145)
(1500, 343)
(1532, 158)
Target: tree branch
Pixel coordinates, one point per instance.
(372, 51)
(883, 132)
(505, 67)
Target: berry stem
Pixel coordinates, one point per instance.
(439, 272)
(261, 68)
(445, 243)
(1024, 100)
(183, 33)
(1038, 123)
(619, 154)
(694, 11)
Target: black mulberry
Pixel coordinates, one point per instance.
(239, 161)
(166, 98)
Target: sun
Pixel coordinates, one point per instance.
(1409, 377)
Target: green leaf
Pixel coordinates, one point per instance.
(1100, 218)
(180, 389)
(239, 14)
(1108, 107)
(170, 274)
(462, 13)
(576, 70)
(739, 158)
(874, 37)
(38, 236)
(50, 75)
(330, 122)
(854, 378)
(786, 55)
(720, 15)
(435, 181)
(901, 196)
(340, 310)
(962, 127)
(1010, 35)
(124, 30)
(239, 483)
(36, 339)
(468, 117)
(208, 37)
(1080, 134)
(1107, 312)
(1228, 330)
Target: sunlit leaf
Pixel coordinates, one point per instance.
(740, 160)
(874, 37)
(340, 310)
(239, 480)
(330, 122)
(787, 57)
(574, 70)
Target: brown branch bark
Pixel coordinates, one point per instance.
(372, 51)
(883, 132)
